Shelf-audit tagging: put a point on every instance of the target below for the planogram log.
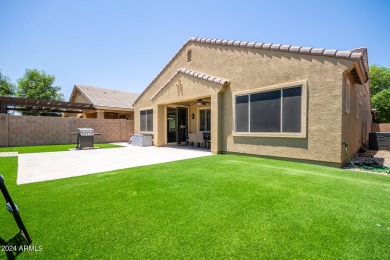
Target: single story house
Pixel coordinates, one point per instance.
(109, 103)
(262, 99)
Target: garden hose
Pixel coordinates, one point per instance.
(367, 165)
(346, 151)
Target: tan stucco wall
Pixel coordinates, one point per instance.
(356, 128)
(80, 98)
(255, 69)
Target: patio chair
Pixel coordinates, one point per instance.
(207, 141)
(199, 140)
(191, 139)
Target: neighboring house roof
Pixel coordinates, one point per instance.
(195, 75)
(102, 97)
(359, 54)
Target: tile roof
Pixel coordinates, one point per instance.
(102, 97)
(195, 75)
(203, 76)
(355, 54)
(358, 54)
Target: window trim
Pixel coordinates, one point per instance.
(145, 109)
(198, 114)
(357, 106)
(302, 134)
(347, 96)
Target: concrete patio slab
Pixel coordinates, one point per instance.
(38, 167)
(8, 154)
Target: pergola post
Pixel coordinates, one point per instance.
(3, 108)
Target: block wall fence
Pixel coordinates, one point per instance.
(38, 130)
(384, 127)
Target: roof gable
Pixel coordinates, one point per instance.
(194, 74)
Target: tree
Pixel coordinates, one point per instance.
(380, 92)
(6, 86)
(38, 85)
(379, 79)
(381, 102)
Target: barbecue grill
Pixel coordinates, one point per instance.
(85, 138)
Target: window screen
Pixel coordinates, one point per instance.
(149, 120)
(143, 120)
(265, 112)
(292, 109)
(269, 112)
(242, 113)
(204, 120)
(146, 120)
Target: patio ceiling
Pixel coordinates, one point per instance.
(193, 102)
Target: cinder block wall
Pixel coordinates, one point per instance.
(35, 130)
(4, 129)
(111, 130)
(384, 127)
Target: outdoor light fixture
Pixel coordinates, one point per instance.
(193, 116)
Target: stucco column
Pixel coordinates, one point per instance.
(159, 125)
(215, 122)
(100, 114)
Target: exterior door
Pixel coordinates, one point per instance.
(171, 125)
(182, 126)
(177, 124)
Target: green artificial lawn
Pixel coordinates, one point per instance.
(50, 148)
(222, 206)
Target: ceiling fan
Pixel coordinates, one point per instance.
(201, 102)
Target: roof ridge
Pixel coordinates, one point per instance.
(348, 54)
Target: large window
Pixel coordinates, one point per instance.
(277, 111)
(146, 120)
(204, 120)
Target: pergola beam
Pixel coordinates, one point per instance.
(26, 104)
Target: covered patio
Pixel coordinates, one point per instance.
(187, 118)
(189, 103)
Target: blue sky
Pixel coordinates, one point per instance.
(125, 44)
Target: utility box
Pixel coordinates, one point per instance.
(141, 140)
(379, 141)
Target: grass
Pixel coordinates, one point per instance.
(50, 148)
(222, 206)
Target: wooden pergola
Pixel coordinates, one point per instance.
(29, 104)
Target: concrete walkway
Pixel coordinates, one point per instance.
(8, 154)
(37, 167)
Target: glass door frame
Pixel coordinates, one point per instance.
(176, 107)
